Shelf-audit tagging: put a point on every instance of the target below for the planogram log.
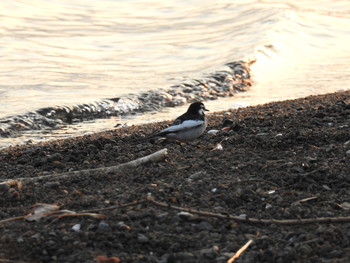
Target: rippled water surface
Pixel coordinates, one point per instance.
(57, 53)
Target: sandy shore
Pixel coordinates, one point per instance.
(284, 163)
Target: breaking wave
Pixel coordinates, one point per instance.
(234, 77)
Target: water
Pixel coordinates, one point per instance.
(68, 52)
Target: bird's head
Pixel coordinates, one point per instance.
(197, 108)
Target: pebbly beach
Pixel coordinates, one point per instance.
(277, 174)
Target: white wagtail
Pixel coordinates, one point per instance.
(187, 127)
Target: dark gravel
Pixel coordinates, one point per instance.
(285, 160)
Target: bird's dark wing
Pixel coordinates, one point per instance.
(187, 116)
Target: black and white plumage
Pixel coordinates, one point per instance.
(187, 127)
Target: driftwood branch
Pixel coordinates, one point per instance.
(116, 206)
(154, 157)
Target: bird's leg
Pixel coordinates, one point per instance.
(182, 148)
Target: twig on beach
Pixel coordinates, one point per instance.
(239, 219)
(12, 219)
(151, 200)
(93, 215)
(154, 157)
(116, 206)
(240, 251)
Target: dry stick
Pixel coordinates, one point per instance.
(12, 219)
(150, 199)
(82, 214)
(312, 172)
(154, 157)
(320, 220)
(115, 206)
(240, 251)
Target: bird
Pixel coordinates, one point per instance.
(187, 127)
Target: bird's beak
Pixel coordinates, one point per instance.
(206, 109)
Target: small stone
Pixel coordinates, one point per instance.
(204, 225)
(236, 127)
(103, 226)
(213, 132)
(36, 236)
(196, 176)
(186, 216)
(328, 149)
(53, 233)
(142, 238)
(311, 159)
(348, 152)
(243, 216)
(108, 147)
(241, 165)
(181, 257)
(76, 227)
(4, 188)
(210, 253)
(223, 258)
(298, 169)
(218, 147)
(91, 227)
(162, 216)
(304, 250)
(122, 226)
(326, 187)
(268, 206)
(219, 209)
(51, 243)
(52, 185)
(54, 157)
(227, 122)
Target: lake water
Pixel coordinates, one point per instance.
(68, 52)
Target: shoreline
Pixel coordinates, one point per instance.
(282, 160)
(156, 123)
